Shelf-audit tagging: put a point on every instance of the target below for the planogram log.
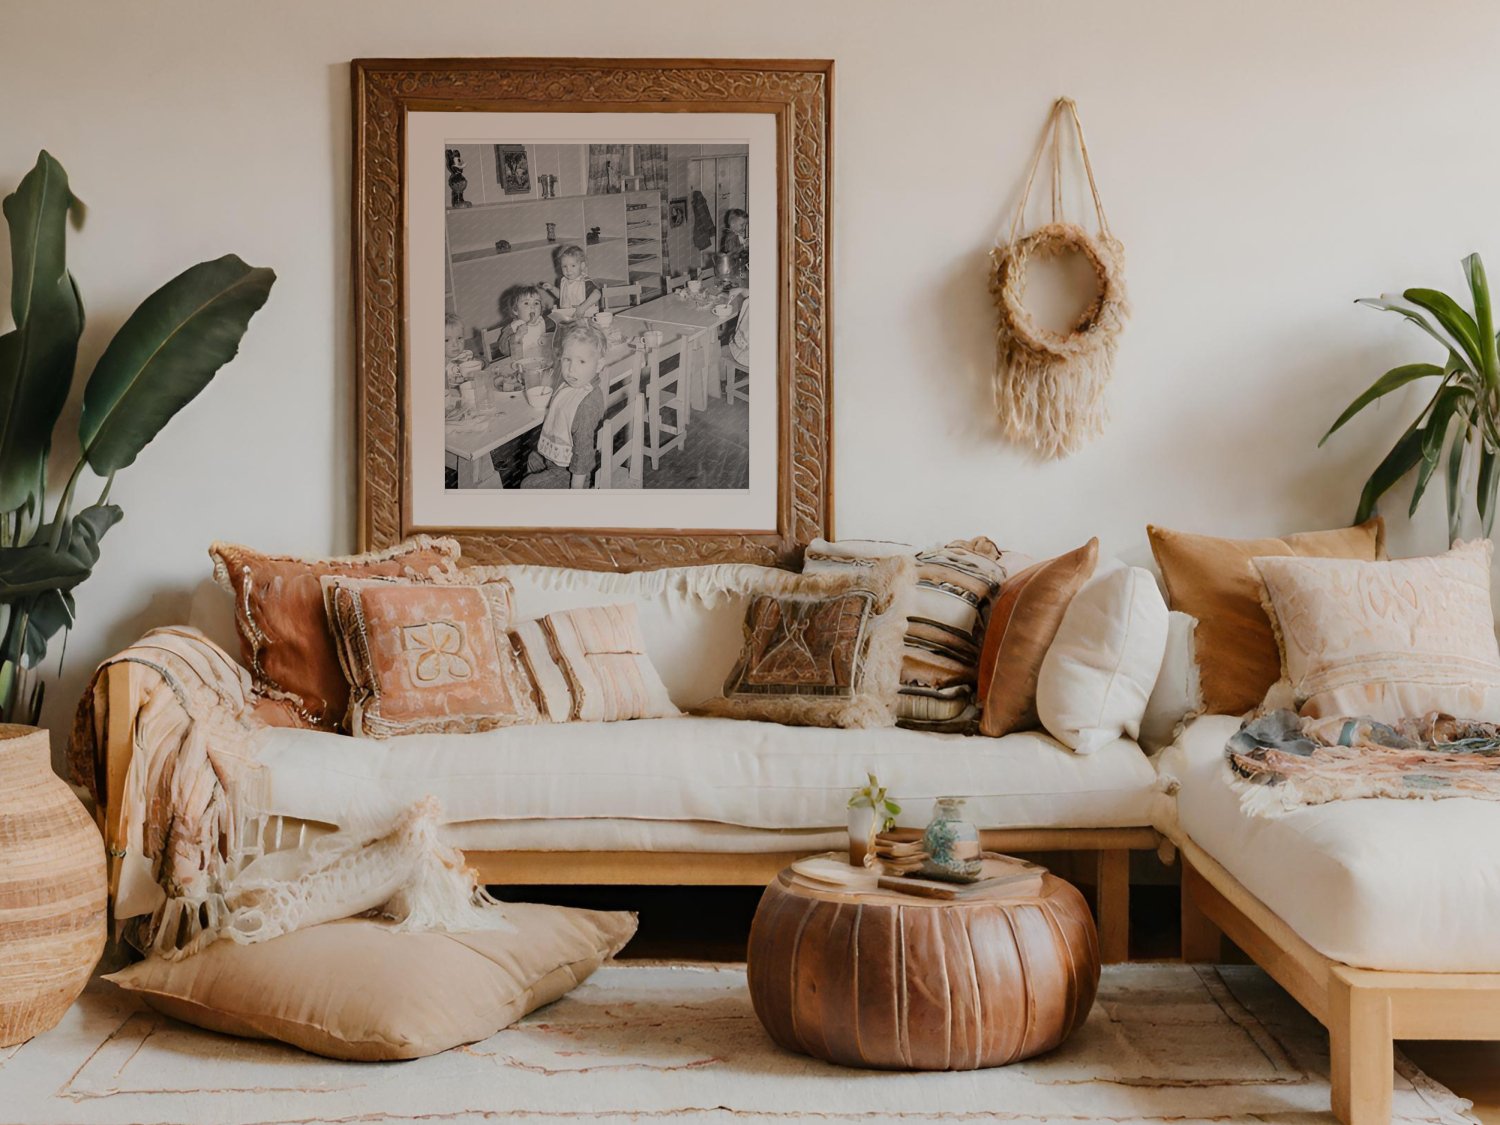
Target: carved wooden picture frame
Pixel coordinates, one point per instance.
(794, 94)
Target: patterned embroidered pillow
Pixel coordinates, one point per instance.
(590, 665)
(1388, 640)
(956, 585)
(284, 634)
(823, 650)
(427, 657)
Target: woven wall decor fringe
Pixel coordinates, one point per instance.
(1049, 386)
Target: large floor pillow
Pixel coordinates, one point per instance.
(358, 990)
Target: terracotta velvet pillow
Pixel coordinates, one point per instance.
(1215, 581)
(1026, 617)
(426, 657)
(823, 649)
(284, 634)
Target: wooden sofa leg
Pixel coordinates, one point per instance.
(1361, 1052)
(1112, 885)
(1202, 941)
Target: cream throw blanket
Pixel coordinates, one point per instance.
(191, 842)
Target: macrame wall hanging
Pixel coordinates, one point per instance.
(1049, 386)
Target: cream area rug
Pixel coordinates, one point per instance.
(644, 1042)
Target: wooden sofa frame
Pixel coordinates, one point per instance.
(1364, 1010)
(1111, 846)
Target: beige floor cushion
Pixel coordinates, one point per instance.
(357, 990)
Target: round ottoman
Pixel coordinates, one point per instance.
(883, 979)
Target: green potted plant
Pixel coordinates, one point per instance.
(1457, 427)
(870, 811)
(164, 354)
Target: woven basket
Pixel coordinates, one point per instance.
(52, 889)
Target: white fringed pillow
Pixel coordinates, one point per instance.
(1388, 640)
(1101, 666)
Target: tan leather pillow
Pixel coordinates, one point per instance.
(1214, 580)
(285, 640)
(1023, 622)
(356, 990)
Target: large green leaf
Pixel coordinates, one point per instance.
(164, 355)
(1488, 480)
(1455, 321)
(35, 568)
(1455, 474)
(37, 356)
(1402, 458)
(1448, 402)
(1484, 314)
(1393, 379)
(1390, 302)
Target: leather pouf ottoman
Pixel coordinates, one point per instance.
(889, 980)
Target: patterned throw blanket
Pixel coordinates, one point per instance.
(192, 855)
(1281, 761)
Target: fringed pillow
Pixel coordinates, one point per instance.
(284, 634)
(823, 649)
(955, 587)
(424, 657)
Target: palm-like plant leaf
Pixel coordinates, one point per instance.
(37, 356)
(1479, 289)
(1448, 403)
(1488, 479)
(167, 352)
(1394, 379)
(1455, 321)
(1391, 302)
(1455, 475)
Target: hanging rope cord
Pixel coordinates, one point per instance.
(1049, 386)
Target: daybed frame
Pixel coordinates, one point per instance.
(1364, 1010)
(1112, 846)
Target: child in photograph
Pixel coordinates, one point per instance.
(453, 337)
(735, 241)
(524, 326)
(565, 451)
(574, 290)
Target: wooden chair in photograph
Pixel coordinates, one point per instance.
(666, 390)
(489, 343)
(618, 296)
(736, 378)
(621, 436)
(670, 284)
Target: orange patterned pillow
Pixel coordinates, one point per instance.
(284, 635)
(424, 657)
(590, 665)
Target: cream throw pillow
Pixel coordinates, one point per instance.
(356, 990)
(1390, 640)
(590, 665)
(1099, 671)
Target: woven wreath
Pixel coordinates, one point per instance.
(1049, 386)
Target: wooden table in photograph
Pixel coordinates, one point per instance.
(470, 440)
(698, 323)
(882, 979)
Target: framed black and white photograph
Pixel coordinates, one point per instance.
(611, 304)
(513, 169)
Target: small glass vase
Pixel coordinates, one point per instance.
(951, 843)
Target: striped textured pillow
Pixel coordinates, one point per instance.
(956, 584)
(590, 665)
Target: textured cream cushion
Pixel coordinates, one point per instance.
(1389, 640)
(356, 990)
(1100, 668)
(1377, 884)
(729, 771)
(1177, 694)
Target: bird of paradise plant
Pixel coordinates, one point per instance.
(162, 356)
(1458, 426)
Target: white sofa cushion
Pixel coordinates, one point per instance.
(1101, 665)
(731, 771)
(1379, 884)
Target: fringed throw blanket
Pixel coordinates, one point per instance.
(1281, 761)
(189, 839)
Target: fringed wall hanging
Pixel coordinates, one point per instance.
(1049, 386)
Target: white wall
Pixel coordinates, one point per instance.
(1264, 164)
